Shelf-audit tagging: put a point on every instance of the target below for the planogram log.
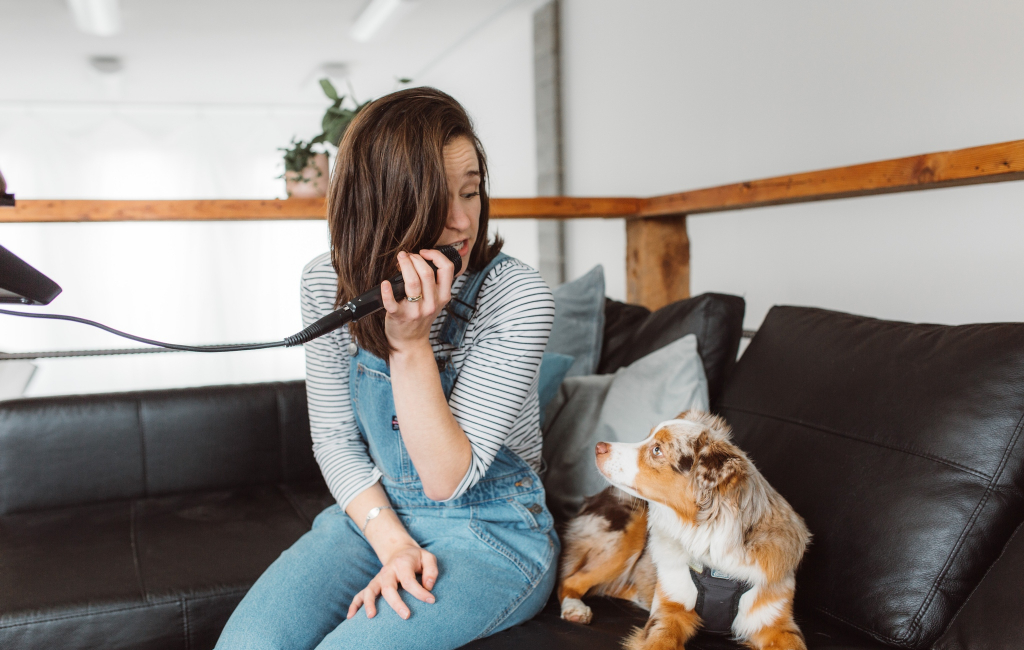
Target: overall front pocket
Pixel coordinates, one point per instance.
(526, 544)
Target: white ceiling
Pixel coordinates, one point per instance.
(224, 51)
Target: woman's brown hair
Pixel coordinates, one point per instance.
(389, 193)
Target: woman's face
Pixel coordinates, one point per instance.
(463, 171)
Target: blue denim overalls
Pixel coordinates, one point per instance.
(495, 545)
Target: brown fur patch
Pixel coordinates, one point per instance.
(782, 634)
(610, 506)
(588, 565)
(667, 629)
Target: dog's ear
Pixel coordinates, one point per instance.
(718, 467)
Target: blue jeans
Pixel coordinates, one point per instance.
(302, 599)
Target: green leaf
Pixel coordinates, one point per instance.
(328, 87)
(404, 80)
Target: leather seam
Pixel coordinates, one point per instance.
(283, 460)
(978, 586)
(872, 633)
(70, 616)
(118, 610)
(916, 622)
(291, 502)
(183, 604)
(911, 452)
(135, 551)
(142, 447)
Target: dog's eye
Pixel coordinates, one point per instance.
(656, 450)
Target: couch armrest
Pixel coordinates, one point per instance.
(991, 617)
(63, 451)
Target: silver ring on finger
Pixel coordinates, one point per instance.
(414, 298)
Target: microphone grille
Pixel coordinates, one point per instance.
(453, 255)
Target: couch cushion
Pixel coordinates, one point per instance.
(900, 446)
(150, 573)
(614, 620)
(991, 617)
(632, 331)
(63, 451)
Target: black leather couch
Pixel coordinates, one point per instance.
(138, 520)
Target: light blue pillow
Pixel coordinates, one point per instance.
(579, 322)
(552, 371)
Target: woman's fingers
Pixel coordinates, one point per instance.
(390, 594)
(354, 607)
(410, 275)
(370, 603)
(445, 273)
(387, 296)
(367, 598)
(426, 276)
(429, 569)
(408, 579)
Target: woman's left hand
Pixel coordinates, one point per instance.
(408, 322)
(399, 570)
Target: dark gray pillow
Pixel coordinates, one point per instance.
(716, 319)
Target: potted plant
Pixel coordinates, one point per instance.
(305, 170)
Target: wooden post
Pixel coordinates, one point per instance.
(657, 261)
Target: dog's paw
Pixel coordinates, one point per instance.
(574, 610)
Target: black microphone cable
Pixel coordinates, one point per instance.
(355, 309)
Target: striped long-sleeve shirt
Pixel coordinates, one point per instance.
(495, 395)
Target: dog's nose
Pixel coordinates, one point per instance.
(603, 448)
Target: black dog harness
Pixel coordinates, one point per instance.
(718, 599)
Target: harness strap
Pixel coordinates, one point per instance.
(462, 307)
(718, 599)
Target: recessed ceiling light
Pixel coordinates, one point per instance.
(335, 69)
(375, 15)
(96, 17)
(107, 64)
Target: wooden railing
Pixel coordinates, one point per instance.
(657, 247)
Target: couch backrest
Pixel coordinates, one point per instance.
(900, 445)
(62, 451)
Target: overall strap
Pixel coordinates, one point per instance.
(463, 306)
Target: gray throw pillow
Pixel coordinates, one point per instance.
(615, 408)
(579, 322)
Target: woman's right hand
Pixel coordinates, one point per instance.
(400, 568)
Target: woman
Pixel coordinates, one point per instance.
(424, 417)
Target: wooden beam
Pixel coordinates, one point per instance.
(564, 207)
(201, 210)
(657, 261)
(992, 163)
(26, 211)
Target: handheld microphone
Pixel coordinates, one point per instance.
(366, 304)
(360, 307)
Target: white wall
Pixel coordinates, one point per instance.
(220, 282)
(667, 95)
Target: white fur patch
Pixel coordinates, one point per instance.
(748, 622)
(574, 610)
(621, 465)
(672, 564)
